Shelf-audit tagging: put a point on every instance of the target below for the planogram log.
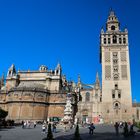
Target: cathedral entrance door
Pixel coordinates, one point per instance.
(85, 118)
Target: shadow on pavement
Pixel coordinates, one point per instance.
(99, 136)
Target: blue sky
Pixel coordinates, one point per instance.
(35, 32)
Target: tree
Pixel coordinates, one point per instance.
(76, 134)
(125, 130)
(3, 114)
(49, 135)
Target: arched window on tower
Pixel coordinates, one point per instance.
(124, 40)
(87, 96)
(114, 39)
(112, 27)
(116, 105)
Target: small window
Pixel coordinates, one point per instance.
(124, 40)
(104, 40)
(116, 86)
(116, 105)
(115, 54)
(113, 27)
(115, 61)
(114, 39)
(107, 111)
(120, 41)
(115, 68)
(113, 96)
(119, 95)
(108, 40)
(87, 96)
(125, 111)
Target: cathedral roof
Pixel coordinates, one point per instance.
(136, 104)
(31, 85)
(87, 86)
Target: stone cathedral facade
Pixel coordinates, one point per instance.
(41, 94)
(36, 95)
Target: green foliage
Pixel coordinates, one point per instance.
(137, 124)
(49, 135)
(3, 114)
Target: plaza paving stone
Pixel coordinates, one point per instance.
(102, 132)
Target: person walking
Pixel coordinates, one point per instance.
(43, 128)
(54, 127)
(34, 124)
(22, 124)
(116, 128)
(91, 128)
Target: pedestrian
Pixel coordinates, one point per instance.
(43, 128)
(132, 132)
(22, 124)
(34, 124)
(54, 127)
(125, 130)
(25, 124)
(116, 128)
(91, 128)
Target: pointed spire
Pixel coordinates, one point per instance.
(11, 71)
(97, 77)
(97, 82)
(102, 30)
(79, 78)
(58, 66)
(58, 69)
(2, 80)
(112, 22)
(111, 13)
(79, 81)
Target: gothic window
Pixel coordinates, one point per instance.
(114, 39)
(115, 61)
(124, 71)
(113, 27)
(107, 72)
(116, 76)
(87, 96)
(115, 55)
(108, 40)
(115, 68)
(107, 56)
(123, 56)
(120, 40)
(124, 40)
(104, 40)
(116, 105)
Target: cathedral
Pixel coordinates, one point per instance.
(41, 94)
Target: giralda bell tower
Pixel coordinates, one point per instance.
(116, 81)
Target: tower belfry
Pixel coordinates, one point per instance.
(116, 81)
